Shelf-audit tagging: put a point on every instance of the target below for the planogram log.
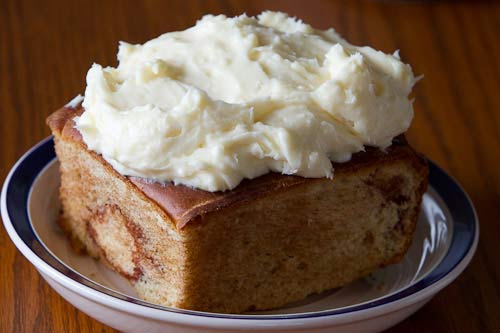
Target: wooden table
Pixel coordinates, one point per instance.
(46, 47)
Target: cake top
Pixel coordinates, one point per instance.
(185, 204)
(235, 98)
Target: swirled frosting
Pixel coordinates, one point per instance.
(235, 98)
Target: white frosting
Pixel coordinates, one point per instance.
(235, 98)
(75, 102)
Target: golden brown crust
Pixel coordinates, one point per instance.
(183, 204)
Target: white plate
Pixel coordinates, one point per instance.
(445, 241)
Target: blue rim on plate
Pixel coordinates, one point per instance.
(20, 180)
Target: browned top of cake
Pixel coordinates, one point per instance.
(183, 203)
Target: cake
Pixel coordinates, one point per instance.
(234, 241)
(273, 240)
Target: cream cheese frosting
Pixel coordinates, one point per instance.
(235, 98)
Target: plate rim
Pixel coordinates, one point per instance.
(403, 298)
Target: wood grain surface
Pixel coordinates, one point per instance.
(46, 48)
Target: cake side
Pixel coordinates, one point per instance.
(109, 218)
(274, 240)
(311, 238)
